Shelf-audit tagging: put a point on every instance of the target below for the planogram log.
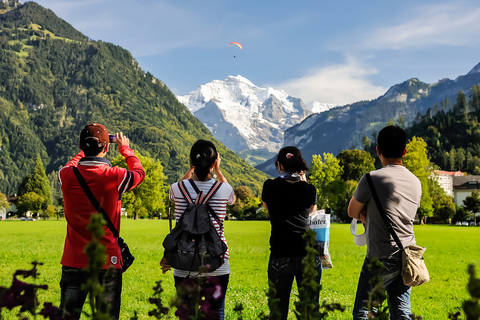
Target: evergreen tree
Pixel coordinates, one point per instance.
(452, 157)
(460, 158)
(366, 142)
(38, 183)
(475, 102)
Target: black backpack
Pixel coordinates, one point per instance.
(194, 241)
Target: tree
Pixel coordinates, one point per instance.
(461, 106)
(3, 202)
(37, 182)
(147, 199)
(472, 204)
(31, 202)
(49, 212)
(246, 206)
(355, 164)
(460, 215)
(444, 208)
(326, 176)
(366, 142)
(475, 102)
(452, 157)
(416, 160)
(341, 206)
(460, 158)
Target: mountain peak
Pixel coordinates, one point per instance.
(239, 78)
(256, 116)
(475, 69)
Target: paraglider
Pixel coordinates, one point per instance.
(237, 43)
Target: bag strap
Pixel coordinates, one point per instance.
(205, 199)
(210, 192)
(385, 218)
(94, 201)
(184, 191)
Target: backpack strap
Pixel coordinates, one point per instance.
(184, 191)
(209, 194)
(207, 197)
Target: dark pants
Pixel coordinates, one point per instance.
(282, 271)
(398, 293)
(219, 304)
(73, 297)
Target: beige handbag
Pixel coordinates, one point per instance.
(414, 269)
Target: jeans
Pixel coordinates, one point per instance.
(73, 297)
(398, 293)
(282, 271)
(219, 304)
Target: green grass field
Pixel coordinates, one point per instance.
(449, 251)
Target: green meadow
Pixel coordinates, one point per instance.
(449, 250)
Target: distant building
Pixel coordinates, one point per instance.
(445, 180)
(12, 201)
(463, 186)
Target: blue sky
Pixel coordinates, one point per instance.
(327, 51)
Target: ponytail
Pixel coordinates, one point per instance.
(291, 159)
(202, 156)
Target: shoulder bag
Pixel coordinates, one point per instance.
(414, 270)
(127, 257)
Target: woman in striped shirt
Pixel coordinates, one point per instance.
(204, 159)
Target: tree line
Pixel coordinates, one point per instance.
(334, 177)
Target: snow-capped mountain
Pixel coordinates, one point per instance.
(317, 107)
(243, 116)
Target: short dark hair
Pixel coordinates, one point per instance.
(392, 141)
(291, 159)
(202, 156)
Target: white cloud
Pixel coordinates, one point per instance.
(338, 84)
(444, 24)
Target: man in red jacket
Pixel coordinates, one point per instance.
(107, 183)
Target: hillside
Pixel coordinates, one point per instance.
(345, 127)
(453, 136)
(53, 81)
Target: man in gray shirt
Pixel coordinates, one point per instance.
(399, 192)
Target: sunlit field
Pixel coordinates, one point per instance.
(449, 250)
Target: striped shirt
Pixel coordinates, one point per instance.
(224, 195)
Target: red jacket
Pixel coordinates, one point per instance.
(107, 183)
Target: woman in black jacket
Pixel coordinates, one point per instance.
(289, 199)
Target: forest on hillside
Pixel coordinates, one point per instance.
(54, 80)
(453, 136)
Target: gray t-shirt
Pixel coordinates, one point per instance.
(399, 192)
